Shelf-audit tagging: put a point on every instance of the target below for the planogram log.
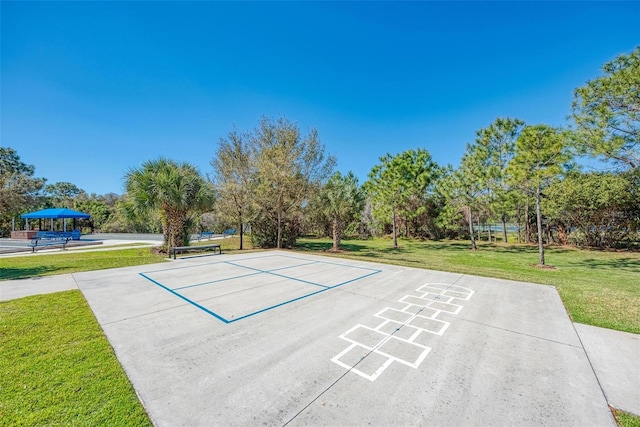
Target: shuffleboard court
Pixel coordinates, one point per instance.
(325, 341)
(235, 290)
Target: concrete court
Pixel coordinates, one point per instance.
(508, 356)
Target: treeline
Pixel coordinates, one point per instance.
(515, 181)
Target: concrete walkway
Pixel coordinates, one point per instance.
(509, 354)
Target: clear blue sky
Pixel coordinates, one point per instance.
(91, 89)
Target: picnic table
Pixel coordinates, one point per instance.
(43, 242)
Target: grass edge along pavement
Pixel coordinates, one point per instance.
(598, 288)
(58, 368)
(81, 259)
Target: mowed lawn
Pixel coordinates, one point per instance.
(57, 367)
(598, 288)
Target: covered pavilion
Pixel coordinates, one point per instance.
(51, 213)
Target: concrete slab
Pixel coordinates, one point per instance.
(13, 289)
(402, 347)
(615, 357)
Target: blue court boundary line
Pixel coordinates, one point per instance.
(227, 321)
(309, 261)
(205, 309)
(271, 272)
(216, 281)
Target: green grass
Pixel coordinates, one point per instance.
(626, 420)
(75, 261)
(598, 288)
(21, 267)
(57, 367)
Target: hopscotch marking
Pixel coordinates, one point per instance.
(399, 329)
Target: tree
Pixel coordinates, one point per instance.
(341, 200)
(600, 206)
(62, 194)
(289, 168)
(234, 176)
(94, 206)
(498, 143)
(541, 153)
(607, 112)
(463, 188)
(19, 190)
(400, 182)
(175, 190)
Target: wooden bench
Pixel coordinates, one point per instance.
(175, 249)
(45, 242)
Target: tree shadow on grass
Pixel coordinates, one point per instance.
(628, 264)
(327, 246)
(25, 273)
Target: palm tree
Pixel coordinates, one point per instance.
(175, 190)
(342, 200)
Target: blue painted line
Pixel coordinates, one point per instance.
(298, 280)
(332, 263)
(216, 281)
(182, 267)
(295, 266)
(278, 275)
(277, 305)
(257, 271)
(205, 309)
(357, 278)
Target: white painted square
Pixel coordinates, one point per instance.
(405, 352)
(364, 336)
(394, 315)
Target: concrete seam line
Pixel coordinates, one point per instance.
(518, 333)
(380, 344)
(604, 394)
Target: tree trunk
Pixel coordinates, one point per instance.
(519, 224)
(473, 240)
(279, 236)
(336, 234)
(527, 228)
(395, 231)
(539, 221)
(563, 236)
(241, 230)
(489, 228)
(503, 217)
(479, 230)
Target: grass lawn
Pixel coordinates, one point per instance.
(74, 261)
(57, 367)
(70, 261)
(598, 288)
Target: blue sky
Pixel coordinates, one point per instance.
(91, 89)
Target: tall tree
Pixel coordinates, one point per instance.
(62, 194)
(541, 153)
(19, 189)
(234, 173)
(400, 180)
(175, 190)
(498, 143)
(289, 167)
(600, 206)
(464, 187)
(607, 112)
(342, 200)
